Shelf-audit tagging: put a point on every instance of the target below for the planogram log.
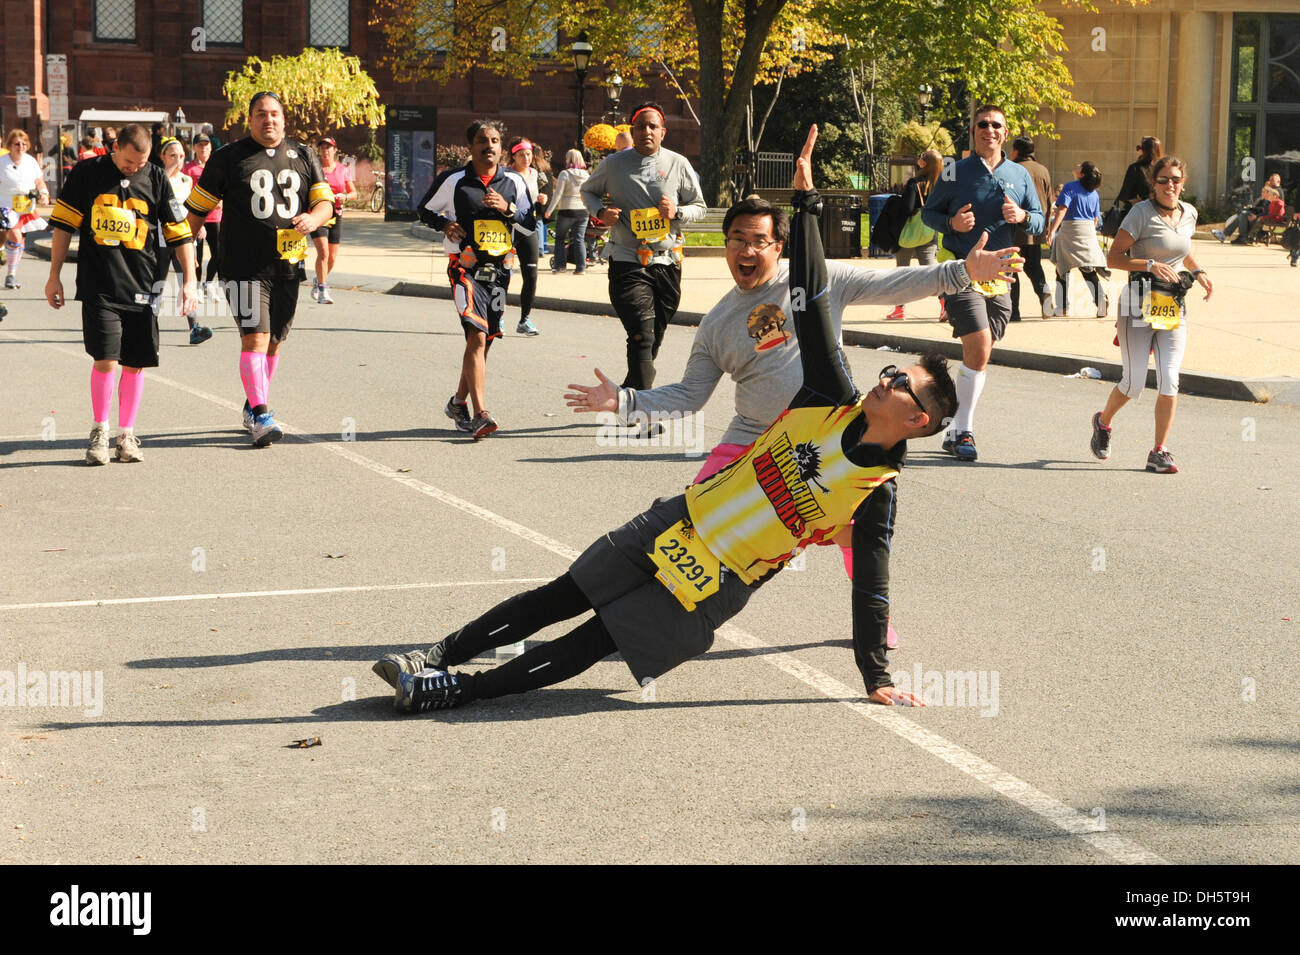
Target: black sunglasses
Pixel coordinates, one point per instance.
(899, 379)
(988, 124)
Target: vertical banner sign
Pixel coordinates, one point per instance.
(56, 85)
(23, 96)
(409, 160)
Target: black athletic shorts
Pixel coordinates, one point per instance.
(650, 627)
(333, 229)
(969, 311)
(128, 335)
(480, 295)
(263, 305)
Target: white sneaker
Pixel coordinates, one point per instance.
(315, 291)
(97, 450)
(1103, 307)
(128, 448)
(1049, 309)
(323, 296)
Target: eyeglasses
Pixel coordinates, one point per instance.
(741, 244)
(1166, 180)
(895, 379)
(988, 124)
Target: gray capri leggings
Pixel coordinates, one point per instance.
(1137, 340)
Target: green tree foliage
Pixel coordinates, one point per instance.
(322, 90)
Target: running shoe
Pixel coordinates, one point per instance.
(1049, 307)
(963, 449)
(5, 311)
(1218, 234)
(647, 430)
(315, 291)
(1161, 461)
(949, 440)
(247, 415)
(427, 690)
(458, 413)
(896, 315)
(11, 282)
(323, 296)
(128, 448)
(97, 451)
(1100, 438)
(265, 431)
(392, 665)
(1103, 307)
(481, 426)
(526, 327)
(200, 334)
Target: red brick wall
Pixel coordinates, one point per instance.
(161, 71)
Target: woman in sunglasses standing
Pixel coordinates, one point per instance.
(1154, 245)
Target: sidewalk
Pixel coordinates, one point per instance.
(1244, 343)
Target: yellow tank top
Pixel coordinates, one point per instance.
(794, 487)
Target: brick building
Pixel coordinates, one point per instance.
(126, 54)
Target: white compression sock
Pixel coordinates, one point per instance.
(969, 385)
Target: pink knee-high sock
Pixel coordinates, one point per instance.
(101, 394)
(272, 363)
(129, 388)
(252, 372)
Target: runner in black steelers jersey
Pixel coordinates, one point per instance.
(274, 196)
(476, 209)
(663, 582)
(117, 205)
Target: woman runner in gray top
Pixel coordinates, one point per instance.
(1155, 242)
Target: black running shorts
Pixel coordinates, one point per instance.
(969, 311)
(263, 305)
(480, 302)
(128, 335)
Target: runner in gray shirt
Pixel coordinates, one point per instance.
(652, 193)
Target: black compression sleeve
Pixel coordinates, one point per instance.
(873, 530)
(826, 379)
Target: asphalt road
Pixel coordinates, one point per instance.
(1132, 637)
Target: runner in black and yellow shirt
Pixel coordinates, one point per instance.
(662, 583)
(274, 195)
(117, 205)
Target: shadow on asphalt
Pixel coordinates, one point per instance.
(942, 459)
(630, 455)
(784, 648)
(550, 703)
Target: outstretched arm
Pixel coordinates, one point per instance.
(826, 379)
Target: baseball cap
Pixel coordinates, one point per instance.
(203, 138)
(327, 141)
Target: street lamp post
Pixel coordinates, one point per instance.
(614, 89)
(581, 50)
(923, 97)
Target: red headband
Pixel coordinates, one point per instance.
(523, 145)
(663, 120)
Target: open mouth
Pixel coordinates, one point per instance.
(746, 270)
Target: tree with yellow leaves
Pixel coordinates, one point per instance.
(322, 90)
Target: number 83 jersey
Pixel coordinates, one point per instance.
(262, 190)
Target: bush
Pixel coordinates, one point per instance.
(451, 157)
(914, 139)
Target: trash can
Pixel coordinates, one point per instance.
(841, 226)
(875, 205)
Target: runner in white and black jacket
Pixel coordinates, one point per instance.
(476, 208)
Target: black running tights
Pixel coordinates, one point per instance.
(526, 250)
(519, 617)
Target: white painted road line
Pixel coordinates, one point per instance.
(174, 598)
(1046, 807)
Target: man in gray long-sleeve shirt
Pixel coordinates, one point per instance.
(652, 193)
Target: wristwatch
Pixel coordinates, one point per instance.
(1151, 265)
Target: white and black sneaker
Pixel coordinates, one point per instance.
(458, 412)
(391, 666)
(1100, 438)
(428, 690)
